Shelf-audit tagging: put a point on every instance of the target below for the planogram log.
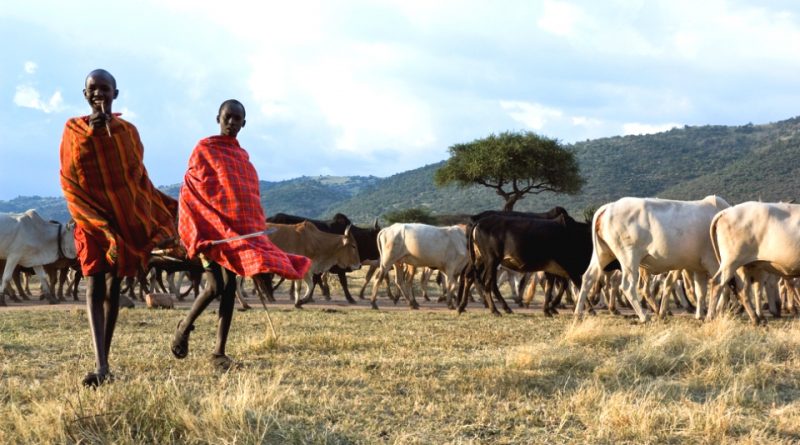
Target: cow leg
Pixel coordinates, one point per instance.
(309, 281)
(370, 273)
(591, 277)
(404, 283)
(343, 282)
(321, 279)
(51, 275)
(753, 293)
(494, 289)
(240, 293)
(464, 285)
(530, 290)
(11, 264)
(666, 288)
(630, 279)
(62, 280)
(17, 280)
(44, 282)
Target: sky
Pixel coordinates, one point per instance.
(378, 87)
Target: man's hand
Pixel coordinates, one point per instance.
(98, 119)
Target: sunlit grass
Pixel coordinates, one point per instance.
(421, 377)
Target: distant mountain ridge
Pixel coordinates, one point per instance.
(739, 163)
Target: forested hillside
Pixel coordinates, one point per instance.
(739, 163)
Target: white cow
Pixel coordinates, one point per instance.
(29, 241)
(421, 245)
(659, 235)
(759, 237)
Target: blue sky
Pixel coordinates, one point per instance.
(380, 87)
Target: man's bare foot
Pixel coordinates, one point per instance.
(95, 379)
(180, 344)
(222, 362)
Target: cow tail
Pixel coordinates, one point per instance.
(712, 231)
(596, 229)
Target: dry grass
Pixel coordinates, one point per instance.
(398, 377)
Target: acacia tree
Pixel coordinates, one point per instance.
(514, 164)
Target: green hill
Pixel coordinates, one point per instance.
(739, 163)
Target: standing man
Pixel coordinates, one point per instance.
(120, 216)
(220, 200)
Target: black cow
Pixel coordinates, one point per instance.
(366, 241)
(526, 243)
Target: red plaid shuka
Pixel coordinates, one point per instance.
(220, 199)
(119, 214)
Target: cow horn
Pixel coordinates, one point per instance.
(376, 224)
(347, 230)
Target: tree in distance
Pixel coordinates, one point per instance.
(412, 215)
(514, 164)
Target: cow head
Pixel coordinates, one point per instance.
(68, 240)
(347, 257)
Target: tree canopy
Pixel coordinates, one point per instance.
(514, 164)
(412, 215)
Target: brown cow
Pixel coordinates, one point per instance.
(324, 249)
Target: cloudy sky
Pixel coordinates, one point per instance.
(378, 87)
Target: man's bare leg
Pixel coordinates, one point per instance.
(95, 301)
(225, 318)
(214, 280)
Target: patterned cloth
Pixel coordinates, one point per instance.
(220, 199)
(120, 215)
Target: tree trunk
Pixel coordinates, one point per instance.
(510, 201)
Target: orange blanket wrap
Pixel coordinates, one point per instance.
(220, 199)
(120, 215)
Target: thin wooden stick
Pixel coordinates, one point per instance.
(103, 109)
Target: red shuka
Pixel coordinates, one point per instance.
(119, 214)
(220, 199)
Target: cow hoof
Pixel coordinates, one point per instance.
(414, 306)
(298, 305)
(548, 314)
(53, 301)
(351, 301)
(374, 306)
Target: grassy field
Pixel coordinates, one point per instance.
(340, 376)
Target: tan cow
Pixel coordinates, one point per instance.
(324, 249)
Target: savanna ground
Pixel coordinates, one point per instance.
(338, 375)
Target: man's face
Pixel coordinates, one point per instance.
(100, 91)
(231, 120)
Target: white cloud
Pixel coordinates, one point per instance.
(560, 18)
(30, 67)
(127, 113)
(28, 97)
(532, 115)
(583, 121)
(636, 128)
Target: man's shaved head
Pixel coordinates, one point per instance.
(102, 73)
(231, 102)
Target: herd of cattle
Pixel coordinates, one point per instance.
(698, 253)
